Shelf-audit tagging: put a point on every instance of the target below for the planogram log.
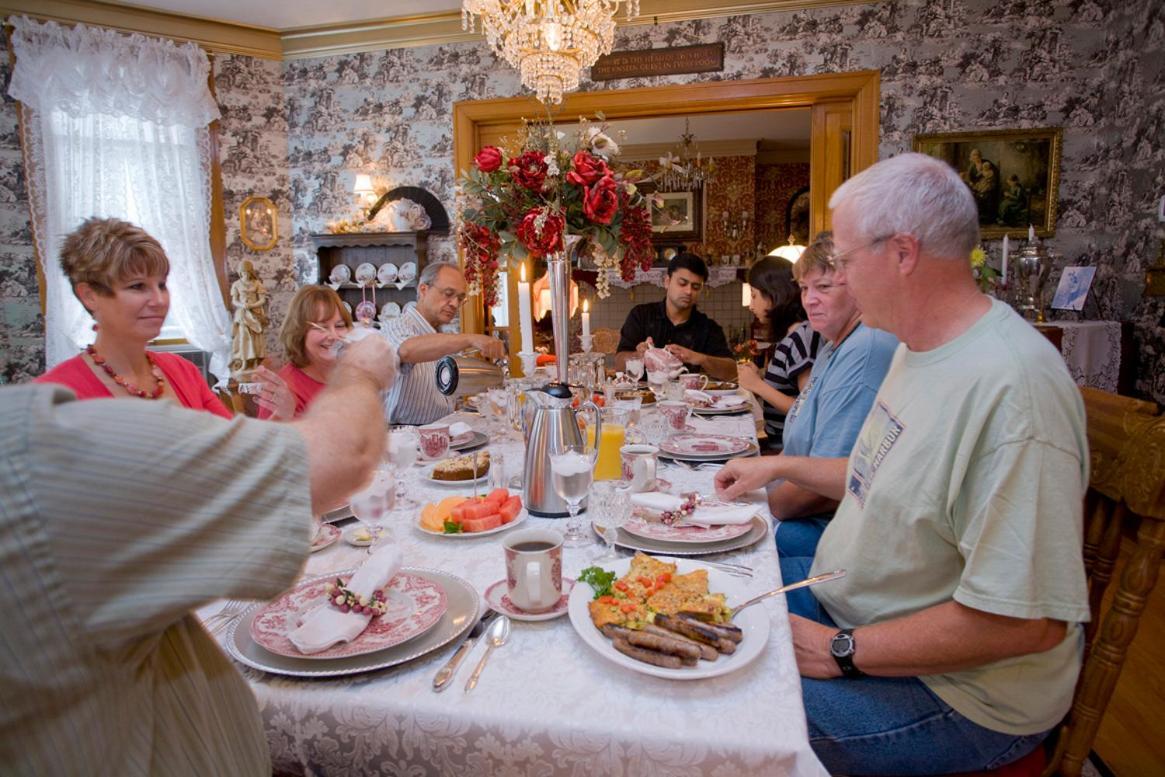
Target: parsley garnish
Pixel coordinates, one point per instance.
(599, 579)
(452, 527)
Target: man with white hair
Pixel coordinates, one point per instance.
(414, 397)
(957, 630)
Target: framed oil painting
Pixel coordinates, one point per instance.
(258, 223)
(1013, 174)
(677, 216)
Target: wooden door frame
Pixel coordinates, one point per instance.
(840, 102)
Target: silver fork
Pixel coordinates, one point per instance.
(224, 617)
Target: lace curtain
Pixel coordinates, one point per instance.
(115, 125)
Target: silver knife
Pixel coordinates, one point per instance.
(445, 674)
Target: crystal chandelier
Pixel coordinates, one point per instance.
(549, 42)
(689, 170)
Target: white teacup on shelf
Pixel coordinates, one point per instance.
(387, 274)
(366, 274)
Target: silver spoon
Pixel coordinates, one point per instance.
(499, 632)
(822, 578)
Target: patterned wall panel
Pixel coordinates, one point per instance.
(775, 184)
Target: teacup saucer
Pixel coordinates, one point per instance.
(358, 535)
(325, 536)
(497, 598)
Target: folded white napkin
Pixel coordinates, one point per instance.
(705, 515)
(695, 395)
(459, 428)
(326, 625)
(732, 400)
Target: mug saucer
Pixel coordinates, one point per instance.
(498, 599)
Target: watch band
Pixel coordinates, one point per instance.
(842, 647)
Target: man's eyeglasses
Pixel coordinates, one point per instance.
(450, 294)
(839, 261)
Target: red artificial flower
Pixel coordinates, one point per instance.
(529, 170)
(546, 240)
(488, 159)
(481, 246)
(601, 201)
(586, 169)
(635, 236)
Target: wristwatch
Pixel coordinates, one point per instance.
(842, 648)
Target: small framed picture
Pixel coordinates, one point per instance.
(258, 223)
(677, 215)
(1073, 288)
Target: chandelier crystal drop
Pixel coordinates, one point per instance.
(549, 42)
(686, 171)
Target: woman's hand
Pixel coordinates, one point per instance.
(749, 377)
(275, 396)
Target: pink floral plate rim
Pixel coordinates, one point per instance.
(325, 536)
(415, 605)
(694, 444)
(661, 531)
(497, 598)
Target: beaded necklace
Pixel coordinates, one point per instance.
(125, 384)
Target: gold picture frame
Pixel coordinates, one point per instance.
(258, 223)
(1014, 175)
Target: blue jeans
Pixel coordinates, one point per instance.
(798, 537)
(891, 725)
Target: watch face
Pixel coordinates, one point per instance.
(841, 645)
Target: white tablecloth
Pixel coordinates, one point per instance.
(1092, 351)
(547, 704)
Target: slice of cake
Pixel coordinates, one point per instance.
(462, 467)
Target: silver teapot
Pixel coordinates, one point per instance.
(550, 425)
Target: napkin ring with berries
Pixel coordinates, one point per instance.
(345, 600)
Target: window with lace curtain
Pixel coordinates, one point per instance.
(116, 125)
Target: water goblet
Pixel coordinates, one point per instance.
(371, 504)
(611, 505)
(635, 368)
(572, 467)
(403, 451)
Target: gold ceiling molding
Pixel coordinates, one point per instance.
(213, 35)
(353, 37)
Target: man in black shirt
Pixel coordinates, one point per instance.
(675, 324)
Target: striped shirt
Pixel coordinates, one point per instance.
(791, 357)
(117, 519)
(414, 398)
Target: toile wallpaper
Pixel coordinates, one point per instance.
(1095, 67)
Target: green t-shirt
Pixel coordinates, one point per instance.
(967, 483)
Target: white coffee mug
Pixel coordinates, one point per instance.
(640, 463)
(534, 568)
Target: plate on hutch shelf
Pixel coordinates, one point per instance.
(754, 622)
(704, 445)
(653, 530)
(462, 611)
(415, 605)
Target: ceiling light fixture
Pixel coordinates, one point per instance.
(549, 42)
(688, 170)
(790, 250)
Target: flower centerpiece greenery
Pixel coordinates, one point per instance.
(528, 199)
(985, 274)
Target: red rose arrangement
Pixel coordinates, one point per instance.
(521, 201)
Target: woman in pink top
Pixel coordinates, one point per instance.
(118, 272)
(316, 320)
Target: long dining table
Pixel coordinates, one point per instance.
(547, 704)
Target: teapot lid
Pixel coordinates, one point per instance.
(558, 390)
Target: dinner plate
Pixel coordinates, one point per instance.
(625, 539)
(469, 441)
(653, 530)
(754, 622)
(415, 605)
(689, 444)
(714, 458)
(462, 611)
(521, 516)
(743, 407)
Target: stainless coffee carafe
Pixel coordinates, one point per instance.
(550, 425)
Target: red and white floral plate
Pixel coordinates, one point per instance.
(712, 445)
(661, 531)
(325, 535)
(415, 604)
(497, 598)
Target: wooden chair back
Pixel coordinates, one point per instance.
(605, 340)
(1126, 438)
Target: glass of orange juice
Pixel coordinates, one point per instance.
(609, 465)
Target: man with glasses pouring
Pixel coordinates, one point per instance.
(414, 398)
(954, 642)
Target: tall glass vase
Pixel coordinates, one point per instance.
(558, 266)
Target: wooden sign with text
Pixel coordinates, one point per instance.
(639, 63)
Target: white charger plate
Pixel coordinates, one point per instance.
(754, 622)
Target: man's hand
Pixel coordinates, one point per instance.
(739, 476)
(490, 347)
(373, 357)
(811, 646)
(686, 355)
(642, 347)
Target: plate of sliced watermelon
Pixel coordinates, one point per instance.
(462, 517)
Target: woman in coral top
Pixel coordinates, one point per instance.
(316, 320)
(118, 272)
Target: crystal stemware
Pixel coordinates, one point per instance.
(371, 504)
(403, 450)
(611, 506)
(635, 368)
(572, 467)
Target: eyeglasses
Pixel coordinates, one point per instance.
(839, 261)
(451, 294)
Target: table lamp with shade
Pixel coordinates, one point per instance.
(790, 250)
(365, 194)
